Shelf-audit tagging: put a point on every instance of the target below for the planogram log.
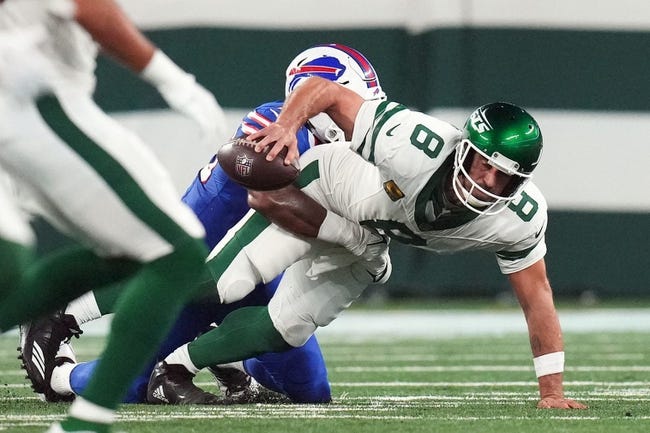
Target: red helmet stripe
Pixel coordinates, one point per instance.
(366, 67)
(313, 69)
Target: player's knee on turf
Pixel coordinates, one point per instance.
(299, 373)
(306, 375)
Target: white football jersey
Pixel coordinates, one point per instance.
(50, 41)
(413, 153)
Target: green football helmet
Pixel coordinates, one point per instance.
(510, 139)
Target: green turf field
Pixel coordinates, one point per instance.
(461, 384)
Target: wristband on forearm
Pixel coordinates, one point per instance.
(549, 363)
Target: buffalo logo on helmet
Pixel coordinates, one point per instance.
(325, 67)
(338, 63)
(243, 165)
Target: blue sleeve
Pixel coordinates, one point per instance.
(217, 201)
(264, 115)
(259, 118)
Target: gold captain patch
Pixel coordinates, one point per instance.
(393, 190)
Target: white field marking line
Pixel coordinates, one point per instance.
(474, 396)
(29, 418)
(356, 357)
(609, 368)
(422, 384)
(17, 372)
(14, 385)
(633, 394)
(456, 368)
(146, 417)
(366, 417)
(485, 384)
(35, 398)
(280, 412)
(432, 368)
(599, 395)
(10, 427)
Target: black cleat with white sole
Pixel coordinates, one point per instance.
(39, 344)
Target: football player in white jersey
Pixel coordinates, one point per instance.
(219, 202)
(97, 182)
(412, 177)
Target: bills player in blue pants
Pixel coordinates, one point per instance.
(300, 373)
(219, 203)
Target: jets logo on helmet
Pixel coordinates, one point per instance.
(478, 122)
(510, 140)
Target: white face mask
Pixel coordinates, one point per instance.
(465, 196)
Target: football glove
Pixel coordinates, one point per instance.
(375, 260)
(182, 93)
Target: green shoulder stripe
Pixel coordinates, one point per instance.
(378, 113)
(382, 115)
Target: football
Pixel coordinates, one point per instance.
(251, 169)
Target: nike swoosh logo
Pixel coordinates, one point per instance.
(540, 231)
(389, 133)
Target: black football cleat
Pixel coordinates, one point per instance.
(239, 388)
(172, 384)
(232, 381)
(39, 344)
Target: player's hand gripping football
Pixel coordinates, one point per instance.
(278, 136)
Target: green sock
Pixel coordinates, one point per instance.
(14, 259)
(243, 334)
(53, 281)
(107, 297)
(143, 315)
(71, 424)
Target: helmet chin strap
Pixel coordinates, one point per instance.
(324, 128)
